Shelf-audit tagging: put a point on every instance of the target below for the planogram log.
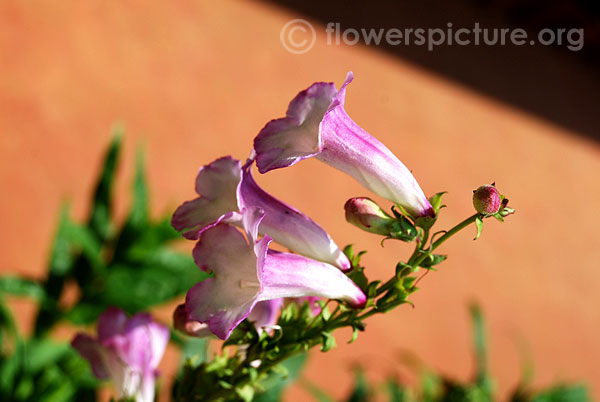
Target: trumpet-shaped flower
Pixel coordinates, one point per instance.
(248, 273)
(225, 188)
(127, 351)
(316, 124)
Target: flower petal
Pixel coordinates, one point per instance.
(291, 275)
(226, 299)
(284, 142)
(111, 322)
(265, 313)
(216, 183)
(349, 148)
(183, 323)
(91, 350)
(288, 226)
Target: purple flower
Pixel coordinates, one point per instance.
(127, 350)
(226, 188)
(248, 273)
(316, 124)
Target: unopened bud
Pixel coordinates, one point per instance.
(365, 214)
(487, 200)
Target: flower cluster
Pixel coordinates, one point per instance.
(234, 221)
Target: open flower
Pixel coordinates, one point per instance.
(248, 273)
(225, 188)
(127, 350)
(316, 124)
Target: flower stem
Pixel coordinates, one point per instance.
(446, 236)
(416, 262)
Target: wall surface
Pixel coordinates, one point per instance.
(194, 80)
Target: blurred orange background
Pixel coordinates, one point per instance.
(193, 80)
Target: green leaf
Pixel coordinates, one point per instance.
(43, 353)
(246, 393)
(328, 341)
(482, 378)
(357, 275)
(100, 216)
(360, 393)
(563, 393)
(22, 287)
(85, 313)
(479, 224)
(138, 215)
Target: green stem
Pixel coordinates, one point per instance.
(416, 262)
(471, 219)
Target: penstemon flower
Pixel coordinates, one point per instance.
(248, 273)
(225, 188)
(316, 124)
(127, 350)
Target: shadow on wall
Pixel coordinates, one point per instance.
(558, 84)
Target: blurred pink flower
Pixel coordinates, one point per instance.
(127, 351)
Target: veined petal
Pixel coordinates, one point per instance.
(91, 350)
(287, 225)
(291, 275)
(216, 184)
(284, 142)
(226, 299)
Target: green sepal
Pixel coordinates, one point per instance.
(403, 229)
(328, 341)
(479, 225)
(358, 276)
(436, 201)
(432, 260)
(354, 258)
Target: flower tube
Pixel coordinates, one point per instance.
(316, 124)
(127, 351)
(225, 188)
(245, 274)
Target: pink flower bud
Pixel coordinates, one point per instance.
(487, 200)
(365, 214)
